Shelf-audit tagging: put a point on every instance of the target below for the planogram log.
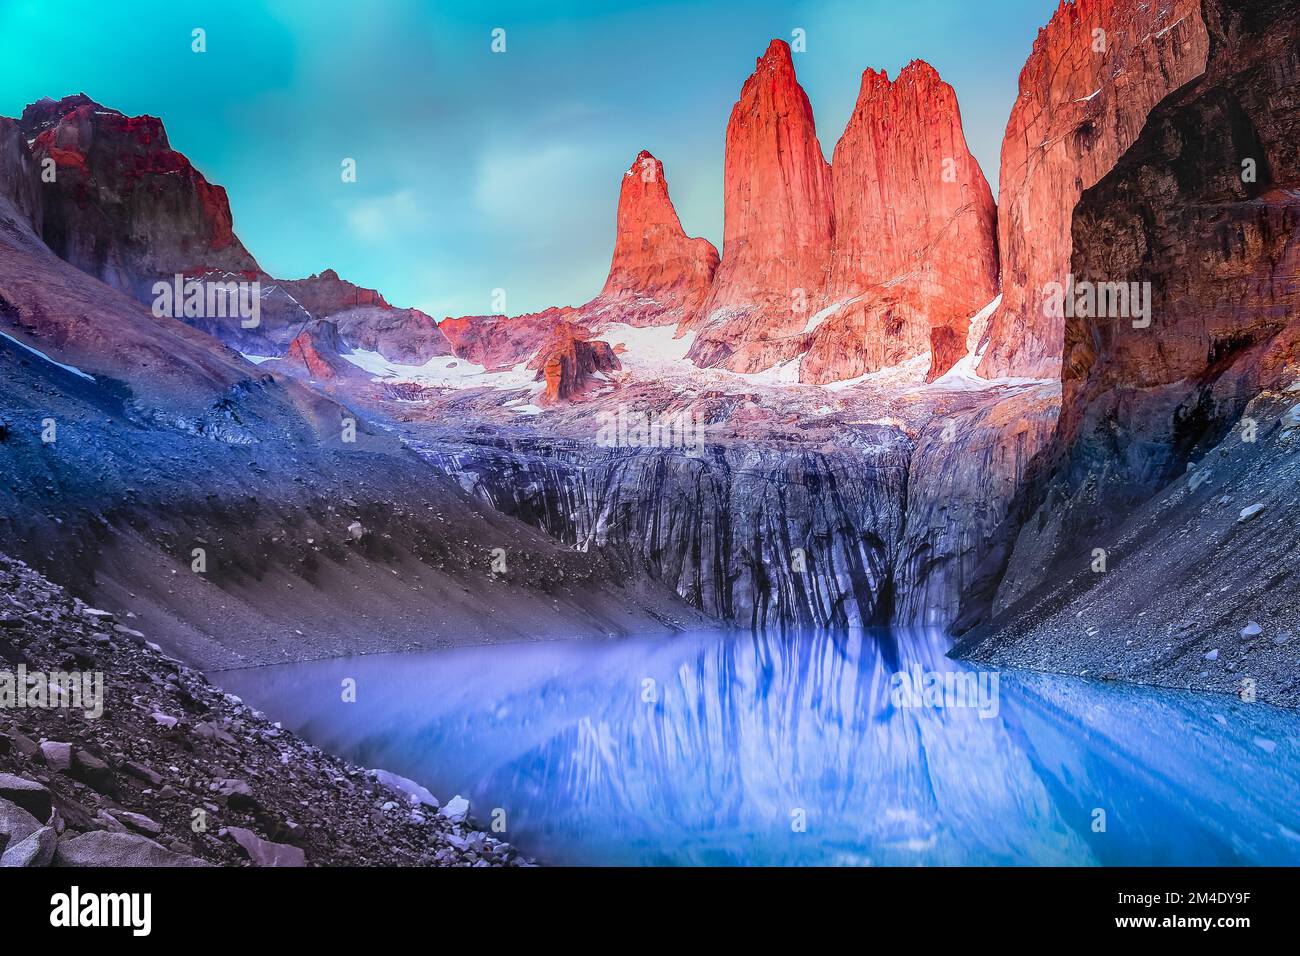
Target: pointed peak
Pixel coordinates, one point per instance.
(917, 71)
(872, 78)
(47, 111)
(778, 56)
(646, 166)
(919, 68)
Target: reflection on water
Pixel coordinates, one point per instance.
(716, 748)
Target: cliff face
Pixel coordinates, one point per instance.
(124, 206)
(20, 199)
(914, 255)
(1205, 209)
(966, 467)
(659, 275)
(1095, 72)
(1177, 440)
(777, 225)
(720, 528)
(853, 524)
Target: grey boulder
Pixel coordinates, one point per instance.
(28, 794)
(36, 850)
(264, 852)
(101, 848)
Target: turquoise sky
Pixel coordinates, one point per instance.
(477, 170)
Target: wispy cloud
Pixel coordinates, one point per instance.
(381, 218)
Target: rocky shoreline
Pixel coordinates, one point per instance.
(176, 773)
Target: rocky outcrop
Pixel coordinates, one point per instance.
(659, 275)
(879, 328)
(778, 221)
(317, 353)
(365, 320)
(570, 365)
(325, 294)
(914, 255)
(1174, 426)
(878, 258)
(502, 342)
(1095, 72)
(124, 206)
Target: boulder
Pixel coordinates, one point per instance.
(137, 822)
(28, 794)
(16, 824)
(94, 773)
(36, 850)
(58, 756)
(456, 810)
(264, 852)
(100, 848)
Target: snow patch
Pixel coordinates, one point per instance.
(441, 371)
(818, 318)
(1171, 26)
(900, 377)
(650, 348)
(37, 352)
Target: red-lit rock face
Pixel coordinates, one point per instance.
(899, 258)
(659, 275)
(325, 294)
(570, 364)
(317, 350)
(19, 178)
(778, 218)
(124, 206)
(502, 342)
(914, 230)
(1084, 97)
(881, 328)
(1217, 246)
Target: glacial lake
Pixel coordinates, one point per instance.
(806, 749)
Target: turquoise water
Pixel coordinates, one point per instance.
(717, 748)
